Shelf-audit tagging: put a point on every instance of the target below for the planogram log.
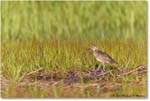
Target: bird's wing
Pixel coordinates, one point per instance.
(109, 58)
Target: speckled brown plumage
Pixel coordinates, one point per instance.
(102, 56)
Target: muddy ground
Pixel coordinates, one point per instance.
(73, 81)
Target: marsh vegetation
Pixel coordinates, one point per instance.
(54, 36)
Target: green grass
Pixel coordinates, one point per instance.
(46, 34)
(23, 56)
(22, 20)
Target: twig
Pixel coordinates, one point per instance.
(134, 70)
(22, 77)
(104, 73)
(33, 72)
(27, 74)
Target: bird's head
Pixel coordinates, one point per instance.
(93, 48)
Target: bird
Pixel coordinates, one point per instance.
(102, 56)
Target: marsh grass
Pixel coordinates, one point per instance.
(22, 20)
(22, 57)
(52, 35)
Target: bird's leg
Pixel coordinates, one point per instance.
(103, 66)
(99, 66)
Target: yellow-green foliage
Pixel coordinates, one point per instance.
(25, 56)
(49, 34)
(22, 19)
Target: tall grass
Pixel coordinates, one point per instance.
(23, 56)
(46, 34)
(25, 19)
(37, 34)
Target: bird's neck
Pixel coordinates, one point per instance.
(95, 52)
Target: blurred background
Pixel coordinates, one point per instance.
(78, 20)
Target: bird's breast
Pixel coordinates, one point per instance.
(101, 58)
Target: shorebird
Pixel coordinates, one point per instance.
(102, 56)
